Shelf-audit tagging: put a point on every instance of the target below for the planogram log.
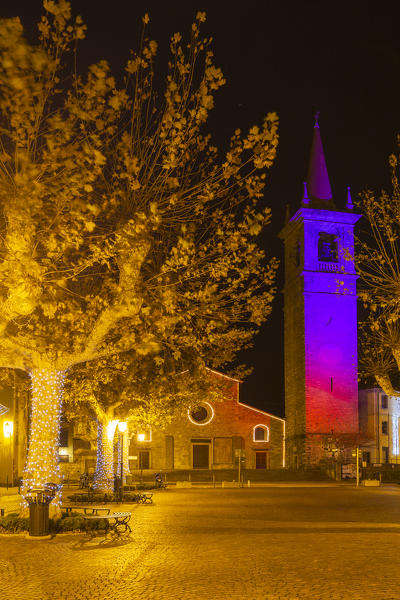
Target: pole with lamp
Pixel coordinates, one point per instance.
(141, 438)
(8, 427)
(122, 428)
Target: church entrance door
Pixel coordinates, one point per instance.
(201, 456)
(261, 460)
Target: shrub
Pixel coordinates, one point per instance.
(13, 523)
(145, 486)
(104, 498)
(72, 522)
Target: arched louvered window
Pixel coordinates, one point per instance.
(260, 433)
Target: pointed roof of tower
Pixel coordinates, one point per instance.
(318, 184)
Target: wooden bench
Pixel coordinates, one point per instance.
(140, 497)
(87, 510)
(146, 498)
(116, 523)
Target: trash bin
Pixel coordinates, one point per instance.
(39, 500)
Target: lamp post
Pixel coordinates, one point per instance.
(8, 428)
(122, 428)
(141, 438)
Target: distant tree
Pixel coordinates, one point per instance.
(121, 227)
(378, 262)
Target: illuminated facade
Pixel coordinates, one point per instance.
(321, 391)
(208, 437)
(13, 425)
(379, 422)
(211, 437)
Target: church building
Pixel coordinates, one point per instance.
(320, 319)
(213, 436)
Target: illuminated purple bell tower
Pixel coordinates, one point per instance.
(321, 391)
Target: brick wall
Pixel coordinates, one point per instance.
(230, 428)
(321, 392)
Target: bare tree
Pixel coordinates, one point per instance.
(378, 260)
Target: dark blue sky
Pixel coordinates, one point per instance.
(287, 56)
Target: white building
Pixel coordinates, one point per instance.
(379, 416)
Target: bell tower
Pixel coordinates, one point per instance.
(320, 318)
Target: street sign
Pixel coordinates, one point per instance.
(240, 452)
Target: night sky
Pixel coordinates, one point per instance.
(284, 56)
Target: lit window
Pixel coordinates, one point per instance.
(144, 436)
(260, 433)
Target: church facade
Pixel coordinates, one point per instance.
(213, 436)
(320, 320)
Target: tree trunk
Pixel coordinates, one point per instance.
(42, 465)
(125, 457)
(104, 475)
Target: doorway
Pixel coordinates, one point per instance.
(144, 459)
(201, 456)
(261, 460)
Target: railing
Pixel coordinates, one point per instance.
(329, 266)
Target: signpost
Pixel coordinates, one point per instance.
(356, 453)
(358, 465)
(240, 455)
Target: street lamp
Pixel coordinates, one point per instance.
(141, 437)
(8, 427)
(122, 428)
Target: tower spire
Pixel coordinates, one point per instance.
(318, 184)
(349, 204)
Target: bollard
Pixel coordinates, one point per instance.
(248, 483)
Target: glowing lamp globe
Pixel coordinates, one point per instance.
(122, 426)
(8, 427)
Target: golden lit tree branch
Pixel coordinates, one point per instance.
(122, 227)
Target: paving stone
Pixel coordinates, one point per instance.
(219, 545)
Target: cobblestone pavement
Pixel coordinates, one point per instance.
(216, 544)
